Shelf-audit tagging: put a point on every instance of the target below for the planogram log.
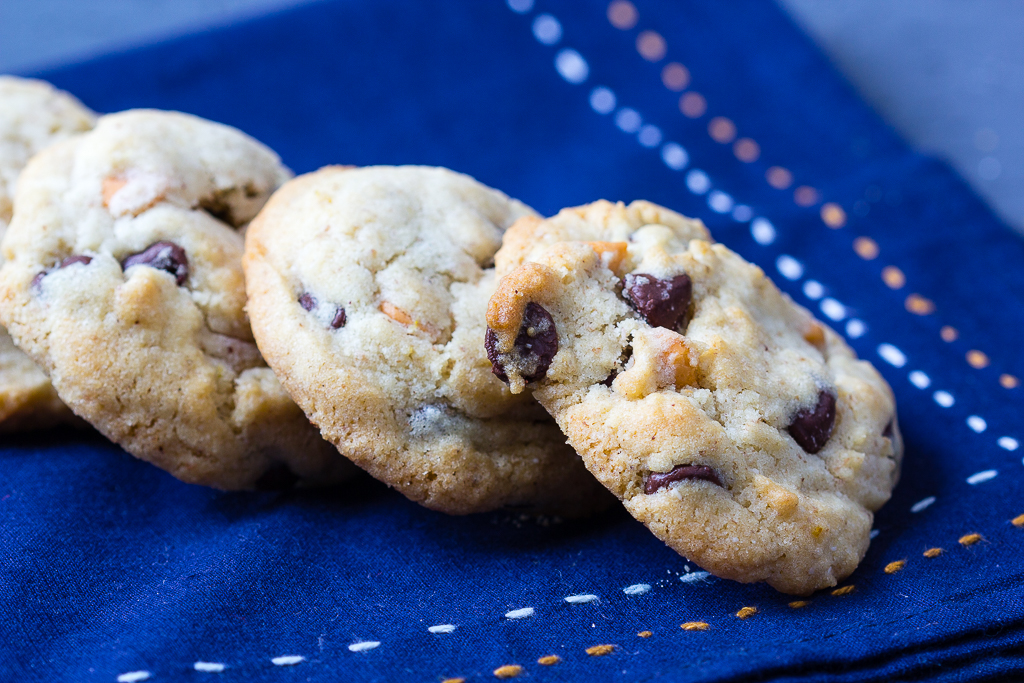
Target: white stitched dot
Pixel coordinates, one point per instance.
(364, 646)
(694, 577)
(763, 233)
(133, 676)
(208, 667)
(287, 660)
(571, 66)
(637, 589)
(919, 379)
(720, 202)
(943, 398)
(628, 120)
(442, 628)
(790, 268)
(922, 504)
(698, 182)
(979, 477)
(977, 423)
(547, 30)
(650, 136)
(1008, 442)
(602, 100)
(833, 309)
(742, 213)
(814, 289)
(891, 355)
(520, 613)
(580, 599)
(520, 6)
(674, 156)
(855, 328)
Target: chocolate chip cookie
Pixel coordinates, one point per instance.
(124, 282)
(744, 433)
(33, 115)
(367, 293)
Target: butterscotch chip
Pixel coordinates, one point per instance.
(131, 296)
(743, 432)
(404, 387)
(33, 115)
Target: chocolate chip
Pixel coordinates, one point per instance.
(535, 346)
(277, 478)
(307, 301)
(217, 206)
(69, 261)
(339, 319)
(659, 480)
(166, 256)
(662, 303)
(812, 428)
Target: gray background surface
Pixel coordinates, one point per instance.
(946, 74)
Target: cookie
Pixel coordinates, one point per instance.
(367, 293)
(33, 115)
(124, 282)
(741, 431)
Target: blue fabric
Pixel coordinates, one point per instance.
(109, 566)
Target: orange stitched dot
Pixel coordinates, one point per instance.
(1018, 520)
(932, 553)
(695, 626)
(805, 195)
(645, 634)
(894, 567)
(949, 334)
(548, 660)
(866, 248)
(833, 215)
(675, 76)
(454, 680)
(797, 604)
(746, 150)
(893, 277)
(693, 105)
(600, 650)
(919, 305)
(722, 129)
(976, 359)
(969, 539)
(845, 590)
(778, 177)
(746, 612)
(508, 671)
(651, 46)
(1008, 381)
(623, 14)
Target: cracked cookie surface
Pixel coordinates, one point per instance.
(124, 281)
(744, 433)
(370, 307)
(33, 115)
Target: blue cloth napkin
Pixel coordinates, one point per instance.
(112, 570)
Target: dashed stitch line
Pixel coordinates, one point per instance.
(746, 612)
(287, 660)
(645, 634)
(364, 646)
(549, 660)
(637, 589)
(676, 77)
(442, 628)
(980, 477)
(970, 539)
(932, 553)
(799, 604)
(600, 650)
(209, 667)
(698, 625)
(581, 599)
(520, 613)
(922, 504)
(845, 590)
